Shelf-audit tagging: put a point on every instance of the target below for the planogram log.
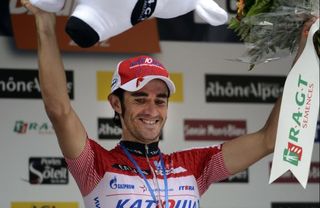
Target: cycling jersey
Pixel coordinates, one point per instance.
(107, 178)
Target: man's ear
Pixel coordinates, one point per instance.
(115, 103)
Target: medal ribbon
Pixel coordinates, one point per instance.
(145, 179)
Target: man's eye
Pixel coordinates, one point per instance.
(161, 102)
(140, 100)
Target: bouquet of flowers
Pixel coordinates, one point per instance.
(270, 29)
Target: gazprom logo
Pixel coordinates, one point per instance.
(115, 185)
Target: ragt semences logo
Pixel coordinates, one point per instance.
(24, 127)
(298, 116)
(299, 119)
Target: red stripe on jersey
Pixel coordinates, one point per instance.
(84, 164)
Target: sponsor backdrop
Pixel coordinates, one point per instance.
(216, 100)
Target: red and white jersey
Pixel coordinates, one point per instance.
(108, 179)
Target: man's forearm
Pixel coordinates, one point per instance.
(51, 70)
(271, 127)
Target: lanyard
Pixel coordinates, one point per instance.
(145, 179)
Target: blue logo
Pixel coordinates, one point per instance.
(97, 202)
(115, 185)
(158, 165)
(186, 188)
(129, 202)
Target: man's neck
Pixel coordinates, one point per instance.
(141, 149)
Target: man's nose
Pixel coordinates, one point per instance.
(151, 109)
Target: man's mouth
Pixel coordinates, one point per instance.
(149, 122)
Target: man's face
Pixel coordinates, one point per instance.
(145, 112)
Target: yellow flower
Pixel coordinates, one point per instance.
(240, 6)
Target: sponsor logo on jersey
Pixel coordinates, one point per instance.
(186, 188)
(130, 169)
(115, 185)
(158, 171)
(171, 170)
(149, 203)
(97, 202)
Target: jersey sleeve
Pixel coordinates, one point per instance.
(84, 170)
(207, 165)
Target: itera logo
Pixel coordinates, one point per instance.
(23, 127)
(300, 119)
(186, 188)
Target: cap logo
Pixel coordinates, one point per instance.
(139, 80)
(146, 61)
(114, 81)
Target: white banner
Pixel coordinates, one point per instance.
(298, 116)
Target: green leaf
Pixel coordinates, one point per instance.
(260, 6)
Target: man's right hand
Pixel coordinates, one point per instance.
(49, 5)
(304, 36)
(44, 20)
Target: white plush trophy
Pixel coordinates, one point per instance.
(97, 20)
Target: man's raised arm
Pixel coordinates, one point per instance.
(242, 152)
(68, 127)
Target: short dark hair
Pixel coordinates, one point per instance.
(116, 118)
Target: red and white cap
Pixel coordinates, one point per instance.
(134, 73)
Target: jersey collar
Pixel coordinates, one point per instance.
(140, 149)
